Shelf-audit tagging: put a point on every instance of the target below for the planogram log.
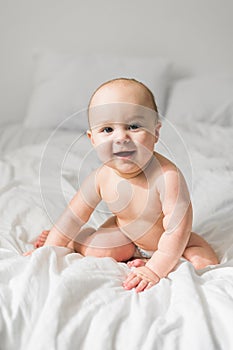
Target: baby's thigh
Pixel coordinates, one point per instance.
(107, 240)
(109, 235)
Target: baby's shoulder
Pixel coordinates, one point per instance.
(171, 176)
(165, 164)
(102, 174)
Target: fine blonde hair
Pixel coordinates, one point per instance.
(129, 80)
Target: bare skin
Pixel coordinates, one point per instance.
(146, 193)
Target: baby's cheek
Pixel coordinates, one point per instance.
(104, 152)
(145, 151)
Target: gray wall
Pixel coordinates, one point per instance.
(195, 34)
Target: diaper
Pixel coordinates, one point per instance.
(142, 253)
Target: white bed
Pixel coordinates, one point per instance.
(57, 300)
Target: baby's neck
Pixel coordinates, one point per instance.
(129, 175)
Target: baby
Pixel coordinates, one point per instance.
(146, 192)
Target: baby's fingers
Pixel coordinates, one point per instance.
(129, 277)
(41, 239)
(141, 286)
(149, 285)
(29, 252)
(131, 282)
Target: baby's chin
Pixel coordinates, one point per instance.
(126, 170)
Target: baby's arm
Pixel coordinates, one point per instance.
(70, 222)
(177, 224)
(76, 214)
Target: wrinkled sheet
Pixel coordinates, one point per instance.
(59, 300)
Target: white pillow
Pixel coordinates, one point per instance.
(206, 99)
(64, 84)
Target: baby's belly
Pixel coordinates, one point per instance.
(144, 233)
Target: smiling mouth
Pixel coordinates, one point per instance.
(124, 154)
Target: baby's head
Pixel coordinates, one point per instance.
(123, 90)
(124, 123)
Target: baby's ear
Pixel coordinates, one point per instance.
(157, 129)
(89, 135)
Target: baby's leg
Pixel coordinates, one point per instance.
(199, 252)
(107, 241)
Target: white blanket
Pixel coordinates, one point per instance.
(60, 301)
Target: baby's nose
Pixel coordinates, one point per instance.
(122, 137)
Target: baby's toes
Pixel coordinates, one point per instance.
(136, 263)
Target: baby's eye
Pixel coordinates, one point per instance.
(107, 129)
(134, 126)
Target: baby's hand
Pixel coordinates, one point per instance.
(41, 239)
(29, 252)
(39, 242)
(141, 278)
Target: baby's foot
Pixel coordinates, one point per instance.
(137, 262)
(41, 239)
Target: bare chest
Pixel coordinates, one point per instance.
(129, 201)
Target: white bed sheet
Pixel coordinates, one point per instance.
(55, 300)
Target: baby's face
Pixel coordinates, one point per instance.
(123, 127)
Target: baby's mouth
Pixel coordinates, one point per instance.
(124, 154)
